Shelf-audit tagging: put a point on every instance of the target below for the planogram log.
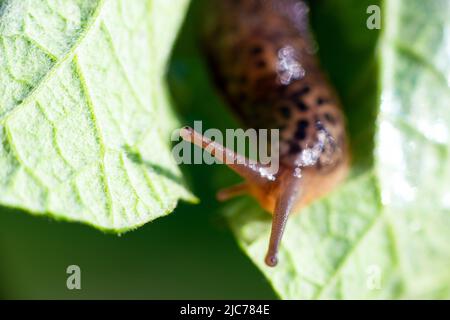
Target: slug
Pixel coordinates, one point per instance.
(262, 56)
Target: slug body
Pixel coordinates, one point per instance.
(262, 58)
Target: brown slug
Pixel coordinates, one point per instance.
(262, 57)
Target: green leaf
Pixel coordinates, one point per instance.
(385, 233)
(84, 112)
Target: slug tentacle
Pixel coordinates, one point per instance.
(283, 208)
(233, 191)
(252, 171)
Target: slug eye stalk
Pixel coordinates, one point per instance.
(251, 172)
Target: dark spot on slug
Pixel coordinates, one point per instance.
(330, 118)
(303, 91)
(303, 124)
(285, 111)
(302, 106)
(321, 101)
(297, 98)
(300, 133)
(256, 50)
